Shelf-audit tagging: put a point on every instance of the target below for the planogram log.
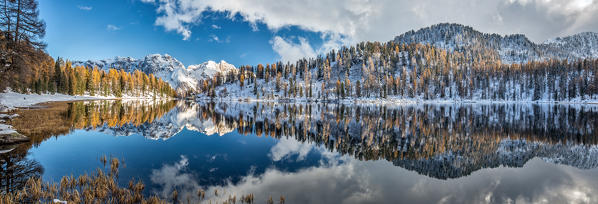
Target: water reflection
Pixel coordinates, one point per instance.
(61, 118)
(315, 153)
(16, 168)
(442, 141)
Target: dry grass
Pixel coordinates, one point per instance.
(95, 188)
(247, 198)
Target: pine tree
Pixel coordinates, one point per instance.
(358, 88)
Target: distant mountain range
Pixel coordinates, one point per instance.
(515, 48)
(168, 68)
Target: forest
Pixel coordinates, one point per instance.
(27, 68)
(412, 71)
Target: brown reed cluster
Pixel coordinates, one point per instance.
(98, 187)
(102, 187)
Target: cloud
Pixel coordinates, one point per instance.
(217, 27)
(171, 177)
(215, 38)
(345, 22)
(290, 51)
(111, 27)
(381, 20)
(287, 147)
(85, 8)
(355, 181)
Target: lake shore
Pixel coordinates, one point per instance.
(11, 101)
(389, 101)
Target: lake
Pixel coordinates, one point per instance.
(319, 153)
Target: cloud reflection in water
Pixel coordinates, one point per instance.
(343, 179)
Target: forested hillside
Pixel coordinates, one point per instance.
(27, 68)
(411, 71)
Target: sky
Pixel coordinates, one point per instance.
(248, 32)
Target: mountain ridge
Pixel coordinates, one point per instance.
(171, 70)
(510, 49)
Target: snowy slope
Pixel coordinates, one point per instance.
(582, 45)
(166, 67)
(515, 48)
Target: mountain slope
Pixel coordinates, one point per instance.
(183, 79)
(515, 48)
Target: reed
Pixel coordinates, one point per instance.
(102, 187)
(282, 200)
(270, 201)
(98, 187)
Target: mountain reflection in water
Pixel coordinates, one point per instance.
(316, 153)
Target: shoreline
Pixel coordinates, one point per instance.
(392, 101)
(11, 102)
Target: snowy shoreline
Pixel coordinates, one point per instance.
(391, 101)
(10, 101)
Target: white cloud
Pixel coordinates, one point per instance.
(171, 177)
(354, 181)
(217, 27)
(381, 20)
(85, 8)
(287, 147)
(215, 38)
(111, 27)
(290, 51)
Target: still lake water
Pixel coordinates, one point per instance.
(315, 153)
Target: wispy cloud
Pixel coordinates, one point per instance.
(217, 27)
(85, 8)
(215, 38)
(111, 27)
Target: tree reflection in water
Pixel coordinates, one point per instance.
(61, 118)
(438, 141)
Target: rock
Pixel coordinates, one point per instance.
(12, 138)
(9, 117)
(7, 148)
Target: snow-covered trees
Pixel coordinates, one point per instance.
(423, 71)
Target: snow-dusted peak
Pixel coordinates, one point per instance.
(210, 68)
(157, 63)
(516, 48)
(581, 45)
(166, 67)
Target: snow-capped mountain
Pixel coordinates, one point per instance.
(181, 116)
(516, 48)
(581, 45)
(166, 67)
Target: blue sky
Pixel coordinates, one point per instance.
(263, 31)
(81, 30)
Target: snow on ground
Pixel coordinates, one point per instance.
(6, 129)
(11, 100)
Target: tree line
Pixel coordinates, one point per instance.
(25, 66)
(413, 71)
(80, 80)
